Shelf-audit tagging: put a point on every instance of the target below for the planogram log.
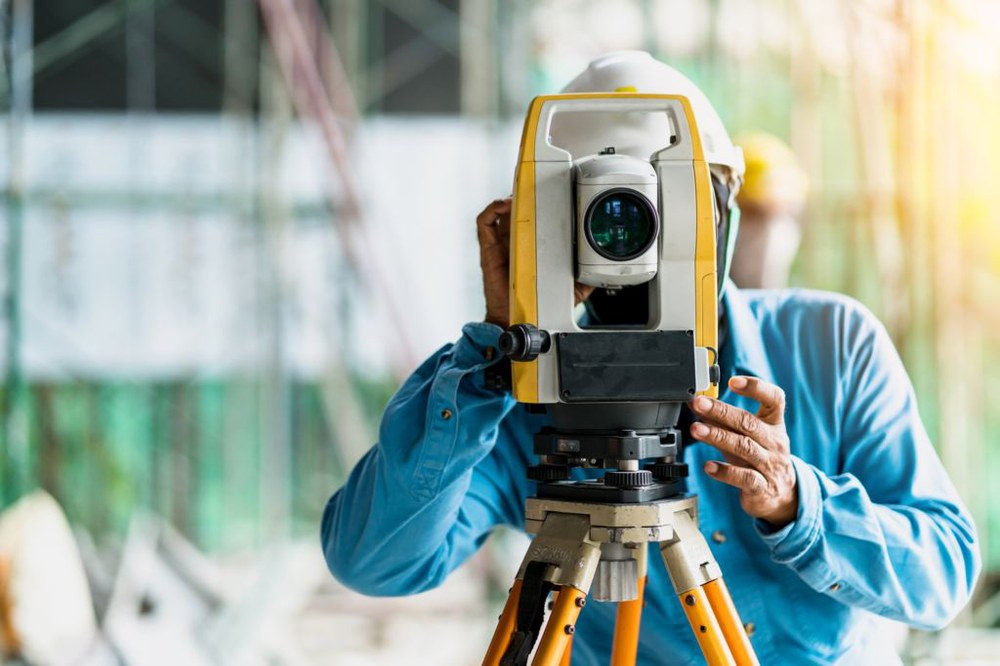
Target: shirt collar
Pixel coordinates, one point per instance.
(743, 353)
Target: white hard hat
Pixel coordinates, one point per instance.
(641, 134)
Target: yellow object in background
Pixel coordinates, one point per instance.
(773, 179)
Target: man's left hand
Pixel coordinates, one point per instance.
(755, 447)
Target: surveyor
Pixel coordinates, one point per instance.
(819, 489)
(771, 202)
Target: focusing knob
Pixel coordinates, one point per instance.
(523, 342)
(628, 479)
(548, 473)
(714, 374)
(668, 471)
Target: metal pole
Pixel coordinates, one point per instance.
(479, 87)
(14, 455)
(311, 100)
(272, 219)
(349, 25)
(140, 57)
(240, 454)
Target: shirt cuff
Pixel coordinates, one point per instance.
(790, 543)
(477, 348)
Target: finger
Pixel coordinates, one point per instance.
(493, 230)
(503, 227)
(727, 416)
(581, 292)
(491, 214)
(770, 397)
(748, 480)
(732, 445)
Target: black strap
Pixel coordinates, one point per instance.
(530, 614)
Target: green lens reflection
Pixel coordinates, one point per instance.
(621, 225)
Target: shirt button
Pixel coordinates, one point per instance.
(718, 536)
(446, 414)
(750, 627)
(835, 587)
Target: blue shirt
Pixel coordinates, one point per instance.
(880, 528)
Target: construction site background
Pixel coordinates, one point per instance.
(230, 229)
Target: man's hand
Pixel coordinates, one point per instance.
(756, 449)
(493, 228)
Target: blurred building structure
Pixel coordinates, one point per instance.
(230, 228)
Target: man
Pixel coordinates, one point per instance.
(771, 199)
(824, 499)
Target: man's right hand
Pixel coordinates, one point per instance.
(493, 229)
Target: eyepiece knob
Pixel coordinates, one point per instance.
(523, 342)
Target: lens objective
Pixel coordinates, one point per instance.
(621, 224)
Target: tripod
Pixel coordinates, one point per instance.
(599, 547)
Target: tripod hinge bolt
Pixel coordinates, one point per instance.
(581, 602)
(569, 629)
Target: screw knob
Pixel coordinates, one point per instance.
(523, 342)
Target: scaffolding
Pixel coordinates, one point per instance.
(277, 58)
(327, 65)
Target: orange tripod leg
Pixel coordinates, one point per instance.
(560, 627)
(568, 654)
(706, 628)
(625, 646)
(729, 620)
(505, 628)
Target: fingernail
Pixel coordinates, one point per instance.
(738, 382)
(699, 430)
(702, 404)
(711, 468)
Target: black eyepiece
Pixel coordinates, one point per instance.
(523, 342)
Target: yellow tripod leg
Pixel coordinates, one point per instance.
(729, 619)
(695, 576)
(560, 627)
(625, 646)
(568, 654)
(706, 628)
(505, 628)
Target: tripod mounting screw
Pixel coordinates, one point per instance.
(668, 471)
(523, 342)
(628, 479)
